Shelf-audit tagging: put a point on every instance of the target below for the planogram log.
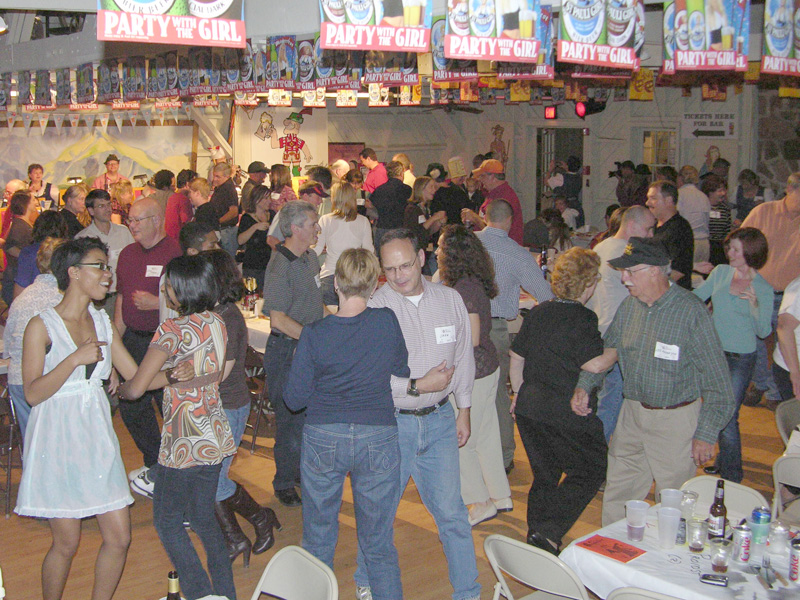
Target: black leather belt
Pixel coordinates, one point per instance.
(421, 412)
(281, 335)
(673, 407)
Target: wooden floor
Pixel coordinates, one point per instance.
(24, 542)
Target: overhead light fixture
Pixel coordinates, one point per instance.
(3, 25)
(74, 180)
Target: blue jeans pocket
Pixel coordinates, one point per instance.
(319, 456)
(384, 456)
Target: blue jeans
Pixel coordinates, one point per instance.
(237, 417)
(762, 376)
(288, 425)
(729, 459)
(784, 382)
(371, 454)
(228, 240)
(609, 401)
(21, 407)
(190, 492)
(429, 454)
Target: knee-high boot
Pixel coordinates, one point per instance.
(263, 519)
(237, 542)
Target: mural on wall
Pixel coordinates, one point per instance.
(294, 138)
(81, 152)
(500, 136)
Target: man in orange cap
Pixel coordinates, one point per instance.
(492, 176)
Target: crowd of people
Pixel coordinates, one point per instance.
(619, 374)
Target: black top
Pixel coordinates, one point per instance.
(222, 199)
(390, 201)
(555, 339)
(451, 199)
(74, 226)
(233, 390)
(256, 250)
(206, 213)
(676, 235)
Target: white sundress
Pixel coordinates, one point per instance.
(72, 466)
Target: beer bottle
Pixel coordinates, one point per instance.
(173, 586)
(543, 262)
(717, 513)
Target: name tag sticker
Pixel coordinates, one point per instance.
(667, 351)
(445, 335)
(715, 214)
(317, 280)
(421, 219)
(153, 271)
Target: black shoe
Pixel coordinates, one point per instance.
(712, 470)
(753, 396)
(510, 468)
(539, 541)
(262, 519)
(288, 497)
(235, 539)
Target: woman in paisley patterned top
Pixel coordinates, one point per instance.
(196, 436)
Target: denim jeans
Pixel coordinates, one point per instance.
(729, 459)
(762, 376)
(371, 454)
(501, 341)
(228, 240)
(190, 492)
(609, 401)
(429, 454)
(21, 407)
(784, 382)
(237, 417)
(288, 425)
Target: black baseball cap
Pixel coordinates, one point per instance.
(641, 251)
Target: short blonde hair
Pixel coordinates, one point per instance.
(201, 186)
(420, 183)
(357, 273)
(45, 253)
(119, 189)
(343, 199)
(575, 270)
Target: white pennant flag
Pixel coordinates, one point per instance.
(147, 116)
(173, 112)
(11, 118)
(58, 121)
(133, 117)
(74, 119)
(44, 119)
(161, 114)
(89, 120)
(27, 119)
(119, 117)
(103, 118)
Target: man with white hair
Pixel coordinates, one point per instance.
(695, 207)
(339, 168)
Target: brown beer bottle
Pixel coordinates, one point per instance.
(717, 514)
(173, 586)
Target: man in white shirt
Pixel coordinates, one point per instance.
(694, 206)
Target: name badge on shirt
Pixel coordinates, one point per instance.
(667, 351)
(421, 219)
(317, 280)
(445, 335)
(153, 271)
(715, 214)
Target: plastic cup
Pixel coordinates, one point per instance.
(669, 520)
(696, 534)
(760, 531)
(720, 554)
(636, 518)
(688, 503)
(671, 498)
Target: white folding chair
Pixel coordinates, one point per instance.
(787, 417)
(740, 500)
(294, 574)
(785, 471)
(632, 593)
(533, 567)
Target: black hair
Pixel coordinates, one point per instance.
(321, 175)
(20, 201)
(33, 166)
(70, 253)
(195, 285)
(50, 223)
(184, 177)
(399, 234)
(193, 234)
(163, 179)
(229, 279)
(96, 195)
(368, 153)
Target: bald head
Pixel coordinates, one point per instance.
(146, 222)
(637, 221)
(13, 186)
(499, 214)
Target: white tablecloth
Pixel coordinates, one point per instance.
(258, 332)
(674, 572)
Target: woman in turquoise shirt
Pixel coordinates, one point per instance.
(742, 311)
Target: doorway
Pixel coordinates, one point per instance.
(554, 144)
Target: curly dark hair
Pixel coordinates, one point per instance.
(463, 255)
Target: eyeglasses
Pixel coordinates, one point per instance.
(404, 268)
(140, 219)
(97, 265)
(632, 271)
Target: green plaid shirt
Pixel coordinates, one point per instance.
(678, 326)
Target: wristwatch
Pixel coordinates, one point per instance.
(412, 388)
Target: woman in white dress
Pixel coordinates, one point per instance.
(72, 466)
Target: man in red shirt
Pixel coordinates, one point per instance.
(492, 176)
(377, 175)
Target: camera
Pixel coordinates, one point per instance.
(618, 172)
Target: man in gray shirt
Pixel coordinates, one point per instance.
(514, 268)
(292, 299)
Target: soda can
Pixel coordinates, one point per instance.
(742, 540)
(762, 514)
(794, 560)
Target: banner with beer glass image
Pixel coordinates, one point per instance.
(781, 53)
(503, 30)
(599, 32)
(388, 25)
(545, 64)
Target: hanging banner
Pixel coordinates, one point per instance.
(84, 84)
(346, 98)
(119, 117)
(498, 30)
(410, 95)
(713, 32)
(200, 71)
(44, 119)
(187, 22)
(314, 98)
(390, 68)
(103, 118)
(42, 96)
(642, 85)
(598, 32)
(445, 69)
(781, 52)
(5, 90)
(378, 95)
(670, 33)
(58, 121)
(306, 80)
(279, 97)
(163, 76)
(389, 25)
(63, 87)
(241, 76)
(218, 83)
(27, 119)
(283, 61)
(338, 69)
(108, 82)
(11, 118)
(545, 64)
(134, 79)
(23, 88)
(74, 120)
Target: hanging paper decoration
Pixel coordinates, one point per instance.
(390, 68)
(598, 32)
(147, 116)
(27, 119)
(445, 69)
(390, 25)
(84, 83)
(89, 120)
(707, 36)
(642, 85)
(338, 69)
(11, 118)
(23, 88)
(58, 121)
(119, 117)
(133, 117)
(283, 61)
(160, 114)
(278, 97)
(43, 118)
(134, 79)
(5, 90)
(781, 52)
(410, 95)
(74, 119)
(108, 88)
(346, 98)
(103, 118)
(306, 80)
(63, 87)
(314, 98)
(378, 95)
(173, 112)
(42, 95)
(200, 71)
(545, 65)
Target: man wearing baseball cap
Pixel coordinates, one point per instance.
(257, 173)
(310, 191)
(492, 176)
(677, 386)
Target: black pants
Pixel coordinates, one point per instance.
(139, 415)
(554, 449)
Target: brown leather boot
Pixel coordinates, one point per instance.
(237, 542)
(263, 519)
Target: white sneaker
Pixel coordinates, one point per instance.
(503, 505)
(481, 511)
(136, 472)
(143, 485)
(363, 592)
